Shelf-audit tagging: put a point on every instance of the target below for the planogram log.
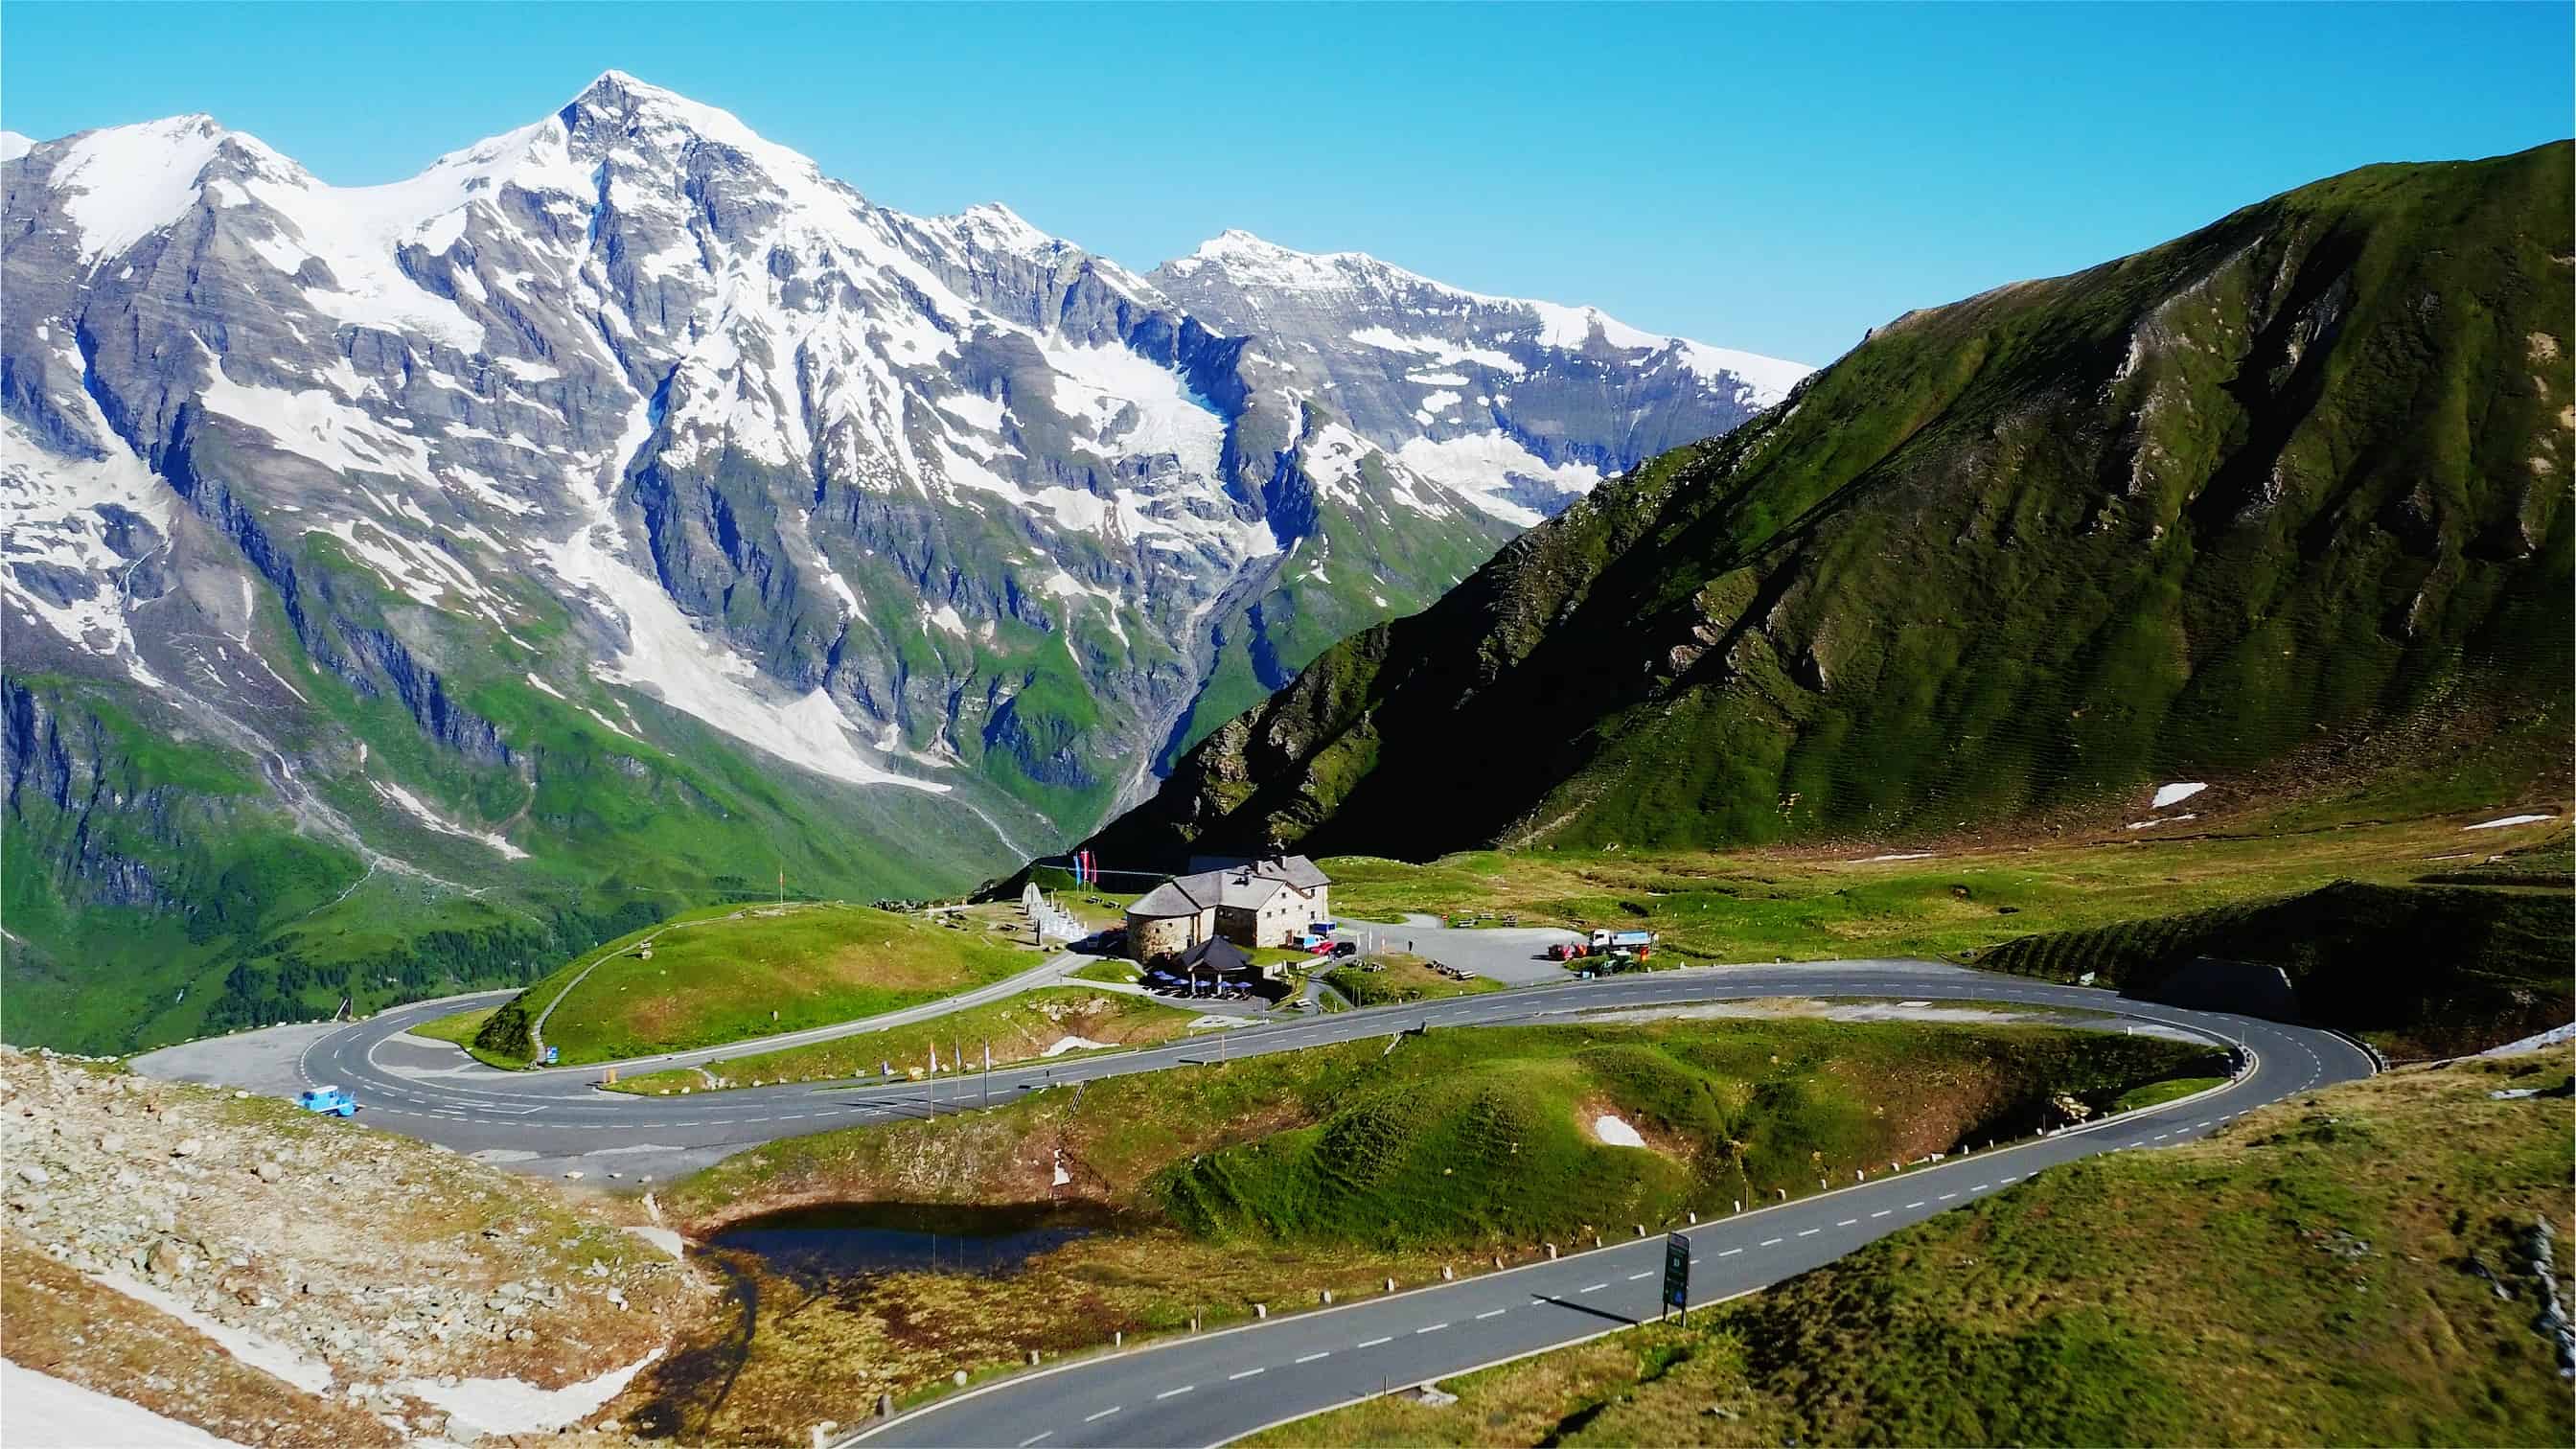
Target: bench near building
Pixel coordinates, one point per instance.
(1256, 903)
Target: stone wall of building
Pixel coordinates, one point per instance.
(1152, 936)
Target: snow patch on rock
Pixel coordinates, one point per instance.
(39, 1411)
(2499, 824)
(515, 1406)
(260, 1352)
(1615, 1132)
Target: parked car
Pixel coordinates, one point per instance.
(330, 1101)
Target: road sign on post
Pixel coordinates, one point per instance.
(1677, 1257)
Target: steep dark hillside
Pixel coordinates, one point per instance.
(2298, 478)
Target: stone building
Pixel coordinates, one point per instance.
(1254, 903)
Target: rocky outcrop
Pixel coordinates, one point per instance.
(348, 1265)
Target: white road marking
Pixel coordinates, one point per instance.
(1768, 1242)
(1310, 1358)
(1374, 1342)
(1809, 1232)
(1945, 1197)
(1847, 1222)
(1633, 1277)
(1033, 1438)
(1103, 1414)
(1175, 1393)
(1731, 1252)
(1435, 1328)
(1496, 1313)
(1981, 1187)
(1882, 1212)
(1247, 1373)
(1918, 1202)
(1592, 1287)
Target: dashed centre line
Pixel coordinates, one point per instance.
(1103, 1414)
(1374, 1342)
(1310, 1358)
(1175, 1393)
(1247, 1373)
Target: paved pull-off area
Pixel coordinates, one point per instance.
(1208, 1388)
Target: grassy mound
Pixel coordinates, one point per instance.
(460, 1028)
(727, 974)
(1467, 1137)
(1503, 1147)
(1400, 977)
(2422, 971)
(1025, 1026)
(2311, 1275)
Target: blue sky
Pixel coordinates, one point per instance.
(1771, 178)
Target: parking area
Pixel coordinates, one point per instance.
(1514, 955)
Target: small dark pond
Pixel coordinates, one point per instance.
(854, 1239)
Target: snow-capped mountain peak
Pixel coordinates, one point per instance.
(1248, 260)
(631, 420)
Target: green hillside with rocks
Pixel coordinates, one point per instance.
(2285, 494)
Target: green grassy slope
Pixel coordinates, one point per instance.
(159, 888)
(2310, 1275)
(727, 974)
(2290, 488)
(2422, 971)
(2388, 929)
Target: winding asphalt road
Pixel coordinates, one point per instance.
(1212, 1387)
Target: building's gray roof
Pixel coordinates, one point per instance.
(1167, 899)
(1236, 889)
(1296, 870)
(1243, 887)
